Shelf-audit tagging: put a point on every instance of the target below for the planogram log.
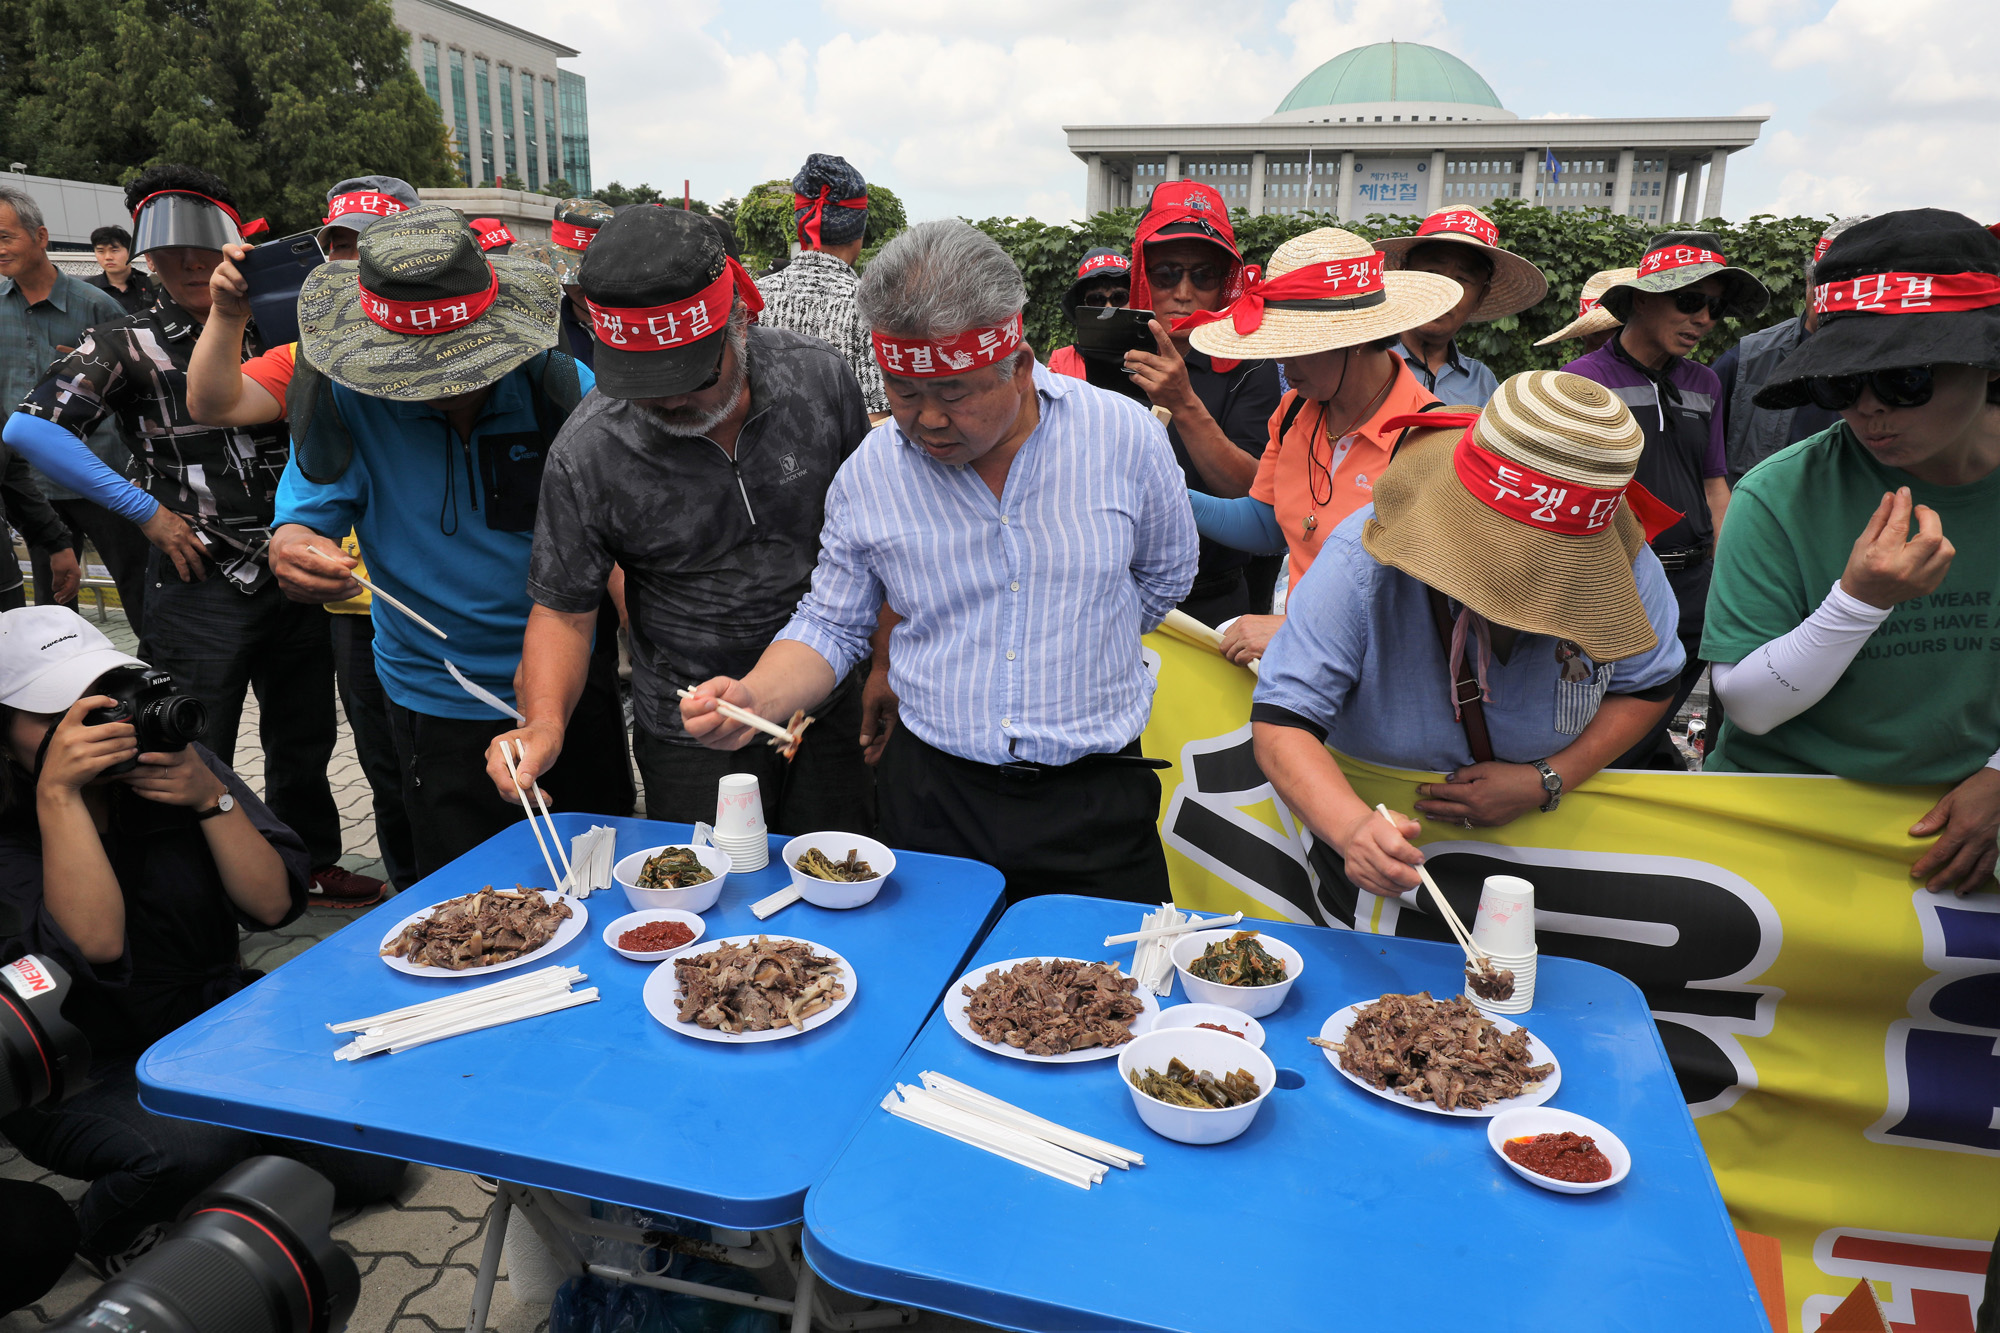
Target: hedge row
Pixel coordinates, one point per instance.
(1567, 247)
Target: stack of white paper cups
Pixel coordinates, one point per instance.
(1505, 928)
(739, 822)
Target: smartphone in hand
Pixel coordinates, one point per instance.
(275, 271)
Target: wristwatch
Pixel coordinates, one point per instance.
(1552, 783)
(225, 803)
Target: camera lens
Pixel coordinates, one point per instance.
(252, 1255)
(42, 1057)
(170, 723)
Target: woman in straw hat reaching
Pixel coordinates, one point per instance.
(1495, 616)
(1330, 316)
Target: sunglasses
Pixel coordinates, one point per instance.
(1693, 302)
(1902, 386)
(1117, 296)
(1205, 277)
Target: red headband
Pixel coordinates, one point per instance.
(254, 227)
(1819, 247)
(441, 314)
(495, 236)
(684, 320)
(1904, 293)
(937, 358)
(1678, 256)
(363, 201)
(1534, 498)
(1344, 284)
(813, 209)
(1095, 262)
(1465, 223)
(570, 236)
(1586, 304)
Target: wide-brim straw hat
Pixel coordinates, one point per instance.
(1515, 573)
(1408, 300)
(1592, 317)
(1677, 259)
(425, 256)
(1517, 284)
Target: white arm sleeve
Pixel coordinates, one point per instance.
(1776, 682)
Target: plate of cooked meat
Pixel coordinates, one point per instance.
(1441, 1056)
(1051, 1010)
(478, 933)
(750, 988)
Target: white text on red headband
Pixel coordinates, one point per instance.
(1095, 262)
(364, 201)
(1678, 256)
(494, 237)
(1907, 293)
(442, 315)
(675, 324)
(934, 359)
(1531, 497)
(1465, 223)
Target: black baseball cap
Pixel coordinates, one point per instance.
(660, 290)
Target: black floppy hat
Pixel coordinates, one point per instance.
(1918, 287)
(660, 290)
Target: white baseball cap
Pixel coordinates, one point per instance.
(50, 656)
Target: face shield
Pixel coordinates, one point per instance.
(179, 219)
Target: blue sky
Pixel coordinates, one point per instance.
(1874, 104)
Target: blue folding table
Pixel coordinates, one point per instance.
(1336, 1209)
(600, 1100)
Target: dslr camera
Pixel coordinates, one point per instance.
(165, 721)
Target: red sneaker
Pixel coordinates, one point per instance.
(341, 887)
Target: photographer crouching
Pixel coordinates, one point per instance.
(132, 857)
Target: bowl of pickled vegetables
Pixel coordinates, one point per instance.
(1194, 1085)
(680, 876)
(1244, 970)
(838, 869)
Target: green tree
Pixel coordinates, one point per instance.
(513, 181)
(560, 188)
(726, 210)
(281, 98)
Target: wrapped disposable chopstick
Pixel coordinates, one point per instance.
(541, 992)
(591, 857)
(1152, 959)
(1007, 1113)
(974, 1117)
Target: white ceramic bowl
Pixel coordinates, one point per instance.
(834, 893)
(1532, 1120)
(1194, 1015)
(1255, 1001)
(634, 920)
(1216, 1052)
(699, 898)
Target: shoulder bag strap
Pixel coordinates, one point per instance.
(1465, 686)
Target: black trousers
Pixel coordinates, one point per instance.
(1212, 601)
(38, 1233)
(452, 804)
(218, 643)
(367, 709)
(1690, 587)
(1088, 828)
(826, 788)
(118, 541)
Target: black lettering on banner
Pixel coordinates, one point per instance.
(1206, 823)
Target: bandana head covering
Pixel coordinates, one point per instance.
(1185, 209)
(829, 202)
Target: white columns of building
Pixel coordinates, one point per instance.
(1621, 189)
(1435, 200)
(1094, 194)
(1711, 199)
(1173, 166)
(1691, 193)
(1531, 168)
(1344, 187)
(1256, 185)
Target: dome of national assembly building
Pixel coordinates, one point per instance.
(1397, 82)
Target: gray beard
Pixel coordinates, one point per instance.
(686, 421)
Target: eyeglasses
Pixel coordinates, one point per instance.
(1115, 297)
(1903, 386)
(1692, 302)
(1205, 277)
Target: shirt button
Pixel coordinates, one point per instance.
(1006, 721)
(1010, 654)
(1003, 520)
(1015, 586)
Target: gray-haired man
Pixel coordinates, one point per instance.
(1030, 529)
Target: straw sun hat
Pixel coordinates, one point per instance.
(1591, 316)
(1323, 290)
(1531, 517)
(1517, 284)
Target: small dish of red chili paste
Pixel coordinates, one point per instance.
(1565, 1156)
(657, 935)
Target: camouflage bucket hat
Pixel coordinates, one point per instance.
(423, 314)
(570, 232)
(1678, 259)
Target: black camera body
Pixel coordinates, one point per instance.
(165, 721)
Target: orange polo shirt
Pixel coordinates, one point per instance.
(1293, 467)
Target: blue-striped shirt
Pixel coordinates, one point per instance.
(1021, 614)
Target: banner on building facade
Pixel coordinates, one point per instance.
(1835, 1027)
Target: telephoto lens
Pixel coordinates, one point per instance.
(251, 1255)
(42, 1057)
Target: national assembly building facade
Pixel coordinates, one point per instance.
(1402, 128)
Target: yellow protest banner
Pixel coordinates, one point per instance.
(1835, 1027)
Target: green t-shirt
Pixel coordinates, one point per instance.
(1921, 701)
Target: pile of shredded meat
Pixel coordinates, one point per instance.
(480, 929)
(1442, 1051)
(757, 986)
(1054, 1006)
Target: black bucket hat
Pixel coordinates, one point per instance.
(1915, 288)
(1096, 266)
(660, 290)
(1678, 259)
